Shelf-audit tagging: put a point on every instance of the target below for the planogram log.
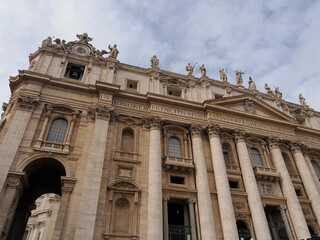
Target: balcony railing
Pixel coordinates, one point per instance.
(53, 147)
(266, 174)
(295, 177)
(178, 232)
(178, 163)
(126, 156)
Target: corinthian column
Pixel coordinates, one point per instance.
(305, 174)
(155, 226)
(228, 220)
(92, 181)
(258, 215)
(207, 226)
(294, 208)
(11, 141)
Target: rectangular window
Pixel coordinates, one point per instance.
(234, 184)
(74, 71)
(177, 180)
(298, 192)
(226, 157)
(174, 92)
(132, 85)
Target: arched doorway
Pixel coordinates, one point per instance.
(41, 176)
(243, 230)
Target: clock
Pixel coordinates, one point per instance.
(81, 50)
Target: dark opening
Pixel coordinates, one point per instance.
(74, 71)
(234, 184)
(313, 234)
(298, 192)
(132, 85)
(243, 230)
(178, 220)
(276, 224)
(44, 176)
(177, 180)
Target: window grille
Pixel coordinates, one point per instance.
(58, 130)
(256, 157)
(316, 169)
(226, 157)
(174, 147)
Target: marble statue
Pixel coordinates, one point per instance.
(154, 62)
(113, 51)
(223, 76)
(189, 69)
(252, 85)
(277, 92)
(47, 42)
(302, 100)
(239, 78)
(203, 71)
(267, 88)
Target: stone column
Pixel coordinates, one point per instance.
(297, 217)
(154, 76)
(69, 134)
(228, 219)
(192, 220)
(286, 222)
(207, 226)
(92, 181)
(313, 172)
(155, 225)
(305, 174)
(193, 90)
(165, 220)
(9, 201)
(43, 130)
(13, 137)
(66, 190)
(111, 66)
(258, 215)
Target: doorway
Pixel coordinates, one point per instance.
(178, 220)
(276, 224)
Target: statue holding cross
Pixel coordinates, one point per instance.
(239, 79)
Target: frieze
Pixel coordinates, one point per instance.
(130, 105)
(177, 111)
(249, 123)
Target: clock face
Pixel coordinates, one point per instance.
(80, 50)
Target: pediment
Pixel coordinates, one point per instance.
(249, 105)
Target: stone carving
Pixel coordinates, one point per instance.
(81, 47)
(227, 92)
(267, 188)
(223, 76)
(305, 211)
(152, 122)
(239, 79)
(252, 85)
(66, 189)
(248, 106)
(214, 130)
(238, 205)
(27, 102)
(102, 112)
(125, 185)
(267, 88)
(278, 93)
(273, 142)
(32, 65)
(295, 146)
(154, 62)
(189, 69)
(113, 51)
(300, 114)
(203, 71)
(302, 100)
(239, 135)
(196, 130)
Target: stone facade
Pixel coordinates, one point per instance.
(138, 153)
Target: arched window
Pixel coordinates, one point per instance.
(256, 157)
(316, 168)
(174, 147)
(288, 163)
(127, 140)
(58, 130)
(243, 230)
(121, 216)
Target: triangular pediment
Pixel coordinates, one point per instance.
(249, 105)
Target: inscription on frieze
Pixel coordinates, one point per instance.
(105, 96)
(249, 123)
(130, 105)
(177, 111)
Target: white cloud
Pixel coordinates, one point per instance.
(272, 41)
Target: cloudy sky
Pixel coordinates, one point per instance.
(273, 41)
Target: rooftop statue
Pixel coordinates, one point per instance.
(239, 78)
(203, 71)
(113, 51)
(84, 38)
(277, 92)
(47, 42)
(252, 85)
(267, 88)
(154, 62)
(189, 69)
(302, 100)
(223, 76)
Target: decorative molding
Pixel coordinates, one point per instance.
(295, 146)
(27, 103)
(66, 189)
(214, 130)
(196, 130)
(152, 123)
(273, 142)
(268, 188)
(248, 106)
(102, 112)
(239, 135)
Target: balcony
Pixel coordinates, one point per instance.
(126, 156)
(48, 146)
(233, 169)
(266, 174)
(177, 232)
(178, 164)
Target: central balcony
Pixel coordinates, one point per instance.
(178, 164)
(266, 174)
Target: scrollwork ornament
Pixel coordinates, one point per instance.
(152, 122)
(27, 103)
(101, 112)
(239, 135)
(248, 106)
(196, 130)
(214, 130)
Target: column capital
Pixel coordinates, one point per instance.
(196, 130)
(239, 135)
(214, 130)
(273, 142)
(295, 146)
(99, 111)
(27, 103)
(152, 122)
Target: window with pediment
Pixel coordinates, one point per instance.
(121, 216)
